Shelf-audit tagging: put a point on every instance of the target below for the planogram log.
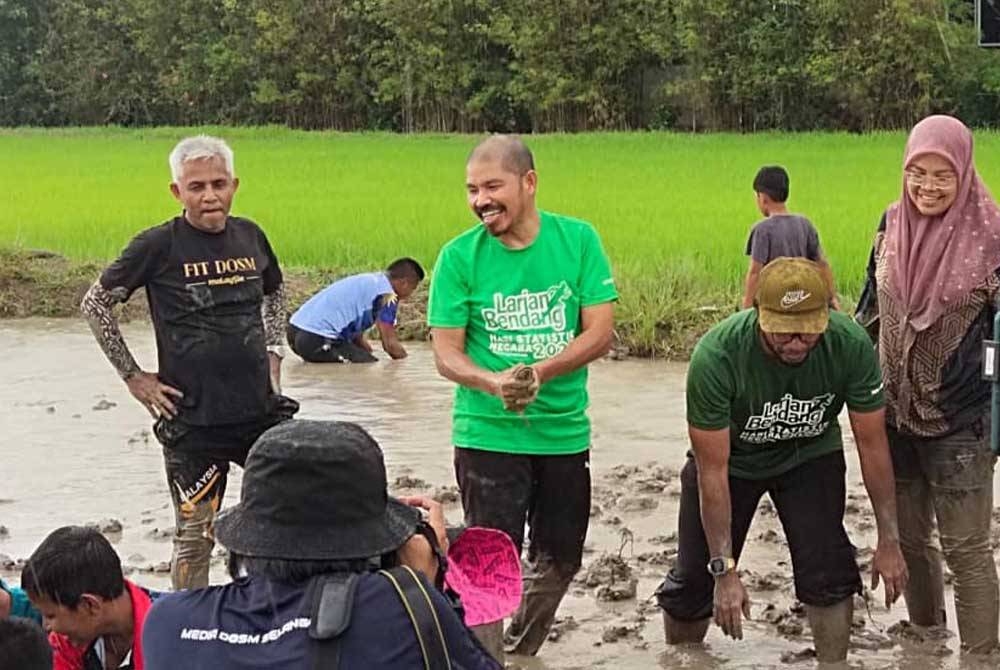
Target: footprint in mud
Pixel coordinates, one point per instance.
(106, 526)
(410, 483)
(806, 654)
(622, 631)
(160, 534)
(637, 503)
(661, 558)
(561, 626)
(12, 565)
(772, 581)
(446, 494)
(788, 622)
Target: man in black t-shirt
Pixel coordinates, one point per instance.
(217, 303)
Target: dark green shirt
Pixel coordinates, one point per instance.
(779, 416)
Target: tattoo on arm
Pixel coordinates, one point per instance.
(97, 309)
(273, 313)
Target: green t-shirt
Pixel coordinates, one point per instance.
(779, 416)
(521, 306)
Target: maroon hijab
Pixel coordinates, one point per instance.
(936, 260)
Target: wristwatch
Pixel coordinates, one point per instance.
(721, 565)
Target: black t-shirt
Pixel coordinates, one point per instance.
(205, 292)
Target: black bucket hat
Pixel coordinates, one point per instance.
(315, 490)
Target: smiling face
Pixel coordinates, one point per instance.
(931, 184)
(501, 199)
(81, 624)
(206, 189)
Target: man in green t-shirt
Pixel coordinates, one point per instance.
(764, 390)
(524, 295)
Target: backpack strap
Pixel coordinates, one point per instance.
(331, 606)
(423, 616)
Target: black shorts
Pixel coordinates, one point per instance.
(810, 502)
(315, 348)
(197, 458)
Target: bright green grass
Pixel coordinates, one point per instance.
(673, 210)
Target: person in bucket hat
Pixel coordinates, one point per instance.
(315, 518)
(764, 389)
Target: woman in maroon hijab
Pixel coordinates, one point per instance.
(932, 293)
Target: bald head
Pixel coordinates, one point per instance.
(512, 154)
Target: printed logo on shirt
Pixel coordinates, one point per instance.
(542, 314)
(788, 419)
(273, 635)
(221, 272)
(793, 298)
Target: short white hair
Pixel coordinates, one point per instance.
(200, 147)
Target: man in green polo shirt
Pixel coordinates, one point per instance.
(764, 390)
(519, 305)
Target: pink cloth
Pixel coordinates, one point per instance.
(934, 261)
(485, 570)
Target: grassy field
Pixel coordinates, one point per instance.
(674, 210)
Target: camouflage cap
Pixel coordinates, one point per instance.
(792, 297)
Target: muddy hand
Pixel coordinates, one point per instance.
(888, 564)
(154, 395)
(518, 387)
(731, 604)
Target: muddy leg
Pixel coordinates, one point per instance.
(558, 517)
(490, 635)
(197, 486)
(545, 584)
(963, 501)
(925, 589)
(684, 632)
(831, 630)
(914, 508)
(194, 540)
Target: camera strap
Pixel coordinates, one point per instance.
(420, 608)
(331, 606)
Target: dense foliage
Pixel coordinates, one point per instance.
(473, 65)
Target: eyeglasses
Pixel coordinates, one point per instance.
(786, 338)
(925, 180)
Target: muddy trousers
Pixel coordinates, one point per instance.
(197, 460)
(551, 494)
(809, 500)
(949, 480)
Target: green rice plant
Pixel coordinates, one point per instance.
(673, 210)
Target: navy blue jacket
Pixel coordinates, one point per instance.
(255, 622)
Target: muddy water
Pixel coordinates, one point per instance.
(76, 449)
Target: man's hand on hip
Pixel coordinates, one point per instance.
(154, 395)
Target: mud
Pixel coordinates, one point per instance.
(77, 449)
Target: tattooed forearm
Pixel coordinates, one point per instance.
(97, 309)
(273, 313)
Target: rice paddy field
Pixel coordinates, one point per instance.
(673, 209)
